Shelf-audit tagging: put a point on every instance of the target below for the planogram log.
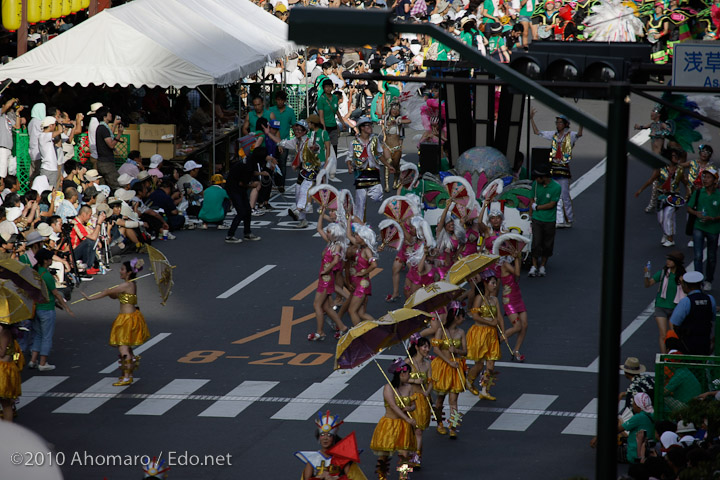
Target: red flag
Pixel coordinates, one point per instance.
(346, 449)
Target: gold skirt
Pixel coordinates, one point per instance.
(447, 379)
(129, 329)
(483, 343)
(392, 435)
(421, 414)
(9, 381)
(20, 362)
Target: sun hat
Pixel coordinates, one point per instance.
(47, 121)
(34, 237)
(143, 175)
(124, 179)
(124, 195)
(683, 427)
(44, 229)
(156, 160)
(436, 18)
(542, 170)
(41, 184)
(94, 107)
(217, 179)
(314, 118)
(7, 229)
(92, 175)
(693, 277)
(191, 165)
(114, 201)
(633, 366)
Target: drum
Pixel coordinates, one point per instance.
(545, 31)
(368, 177)
(674, 199)
(306, 174)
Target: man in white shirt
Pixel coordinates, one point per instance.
(92, 127)
(48, 153)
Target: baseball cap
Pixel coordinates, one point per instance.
(711, 171)
(275, 123)
(364, 120)
(47, 121)
(191, 165)
(217, 179)
(156, 160)
(124, 179)
(303, 124)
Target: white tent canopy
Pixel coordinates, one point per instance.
(180, 43)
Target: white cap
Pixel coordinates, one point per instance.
(124, 179)
(191, 165)
(156, 160)
(41, 184)
(693, 277)
(92, 175)
(47, 121)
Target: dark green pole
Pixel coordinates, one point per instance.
(612, 280)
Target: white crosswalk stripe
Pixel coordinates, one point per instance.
(167, 397)
(37, 386)
(232, 404)
(523, 412)
(92, 398)
(370, 410)
(584, 425)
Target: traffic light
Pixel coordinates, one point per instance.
(582, 62)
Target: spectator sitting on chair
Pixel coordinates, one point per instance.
(215, 204)
(161, 199)
(83, 242)
(68, 207)
(133, 165)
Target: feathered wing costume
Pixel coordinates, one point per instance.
(613, 21)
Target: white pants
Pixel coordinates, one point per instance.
(666, 218)
(301, 194)
(331, 164)
(60, 270)
(375, 193)
(564, 206)
(8, 163)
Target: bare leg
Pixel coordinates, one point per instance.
(318, 307)
(363, 311)
(396, 269)
(662, 324)
(7, 410)
(355, 304)
(334, 316)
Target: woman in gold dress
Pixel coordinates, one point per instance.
(394, 431)
(11, 363)
(129, 328)
(420, 377)
(482, 338)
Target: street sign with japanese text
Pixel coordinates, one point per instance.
(696, 65)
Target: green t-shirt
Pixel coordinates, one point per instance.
(490, 10)
(321, 136)
(710, 205)
(527, 9)
(544, 195)
(468, 38)
(329, 108)
(50, 283)
(286, 118)
(684, 385)
(24, 259)
(253, 116)
(212, 208)
(669, 300)
(443, 50)
(639, 421)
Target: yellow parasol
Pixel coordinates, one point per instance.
(15, 305)
(467, 267)
(26, 278)
(163, 272)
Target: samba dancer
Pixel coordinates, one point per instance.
(11, 363)
(420, 377)
(448, 366)
(393, 133)
(482, 338)
(129, 328)
(365, 262)
(367, 155)
(513, 304)
(394, 431)
(450, 241)
(333, 256)
(308, 163)
(409, 245)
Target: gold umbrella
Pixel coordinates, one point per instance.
(26, 278)
(467, 267)
(434, 296)
(15, 305)
(163, 272)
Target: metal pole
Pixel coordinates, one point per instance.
(212, 172)
(612, 280)
(527, 137)
(22, 33)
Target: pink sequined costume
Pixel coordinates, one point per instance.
(471, 243)
(326, 282)
(511, 296)
(362, 284)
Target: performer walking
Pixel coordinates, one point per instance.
(513, 303)
(333, 255)
(307, 162)
(482, 338)
(448, 367)
(394, 431)
(365, 262)
(11, 363)
(450, 240)
(421, 388)
(393, 133)
(367, 155)
(129, 328)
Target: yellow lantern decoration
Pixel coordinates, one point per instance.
(66, 7)
(46, 10)
(11, 14)
(76, 5)
(34, 12)
(85, 4)
(56, 9)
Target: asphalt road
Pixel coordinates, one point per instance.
(231, 381)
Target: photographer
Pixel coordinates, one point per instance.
(124, 223)
(51, 133)
(12, 245)
(82, 241)
(107, 137)
(9, 119)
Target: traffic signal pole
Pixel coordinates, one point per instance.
(314, 26)
(612, 280)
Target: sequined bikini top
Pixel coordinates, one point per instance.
(485, 310)
(401, 401)
(446, 343)
(127, 298)
(421, 375)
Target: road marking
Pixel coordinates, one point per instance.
(309, 402)
(313, 286)
(583, 425)
(93, 397)
(598, 171)
(531, 366)
(523, 412)
(370, 411)
(229, 407)
(167, 397)
(34, 388)
(246, 282)
(137, 351)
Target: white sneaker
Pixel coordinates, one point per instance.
(335, 180)
(663, 240)
(46, 368)
(533, 271)
(706, 286)
(691, 244)
(541, 272)
(257, 212)
(32, 364)
(309, 209)
(303, 224)
(222, 226)
(171, 236)
(668, 243)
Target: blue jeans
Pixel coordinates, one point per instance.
(85, 252)
(699, 238)
(43, 328)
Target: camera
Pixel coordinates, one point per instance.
(53, 271)
(113, 218)
(68, 226)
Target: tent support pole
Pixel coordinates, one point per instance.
(307, 98)
(212, 172)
